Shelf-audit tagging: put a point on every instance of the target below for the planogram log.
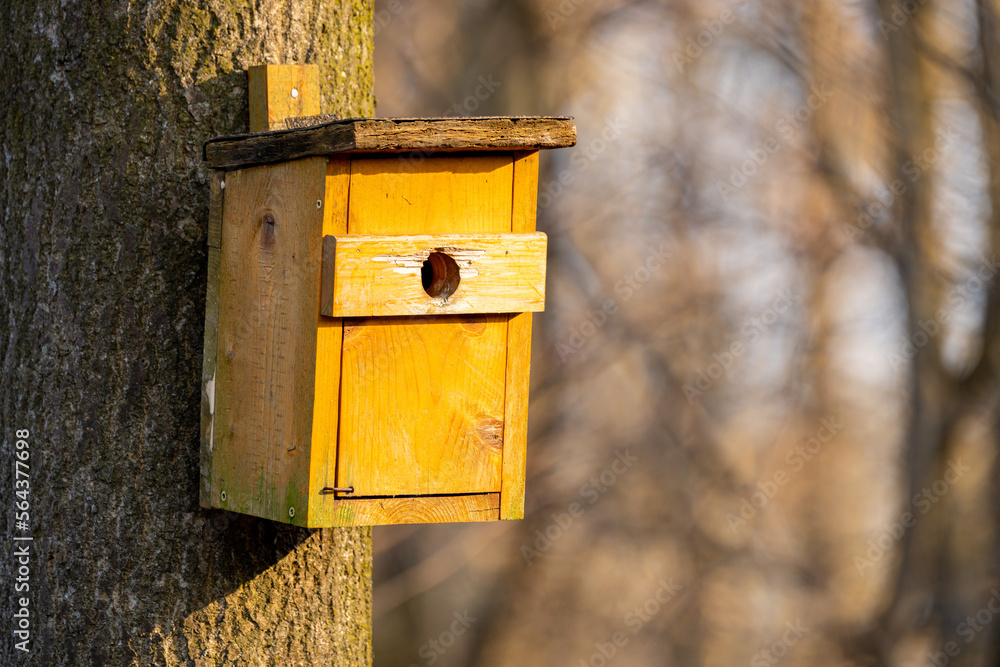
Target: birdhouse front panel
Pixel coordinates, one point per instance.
(373, 298)
(423, 398)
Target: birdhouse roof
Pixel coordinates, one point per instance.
(324, 135)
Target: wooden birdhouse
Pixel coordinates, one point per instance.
(368, 321)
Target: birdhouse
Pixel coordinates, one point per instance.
(368, 321)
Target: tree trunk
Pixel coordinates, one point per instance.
(104, 202)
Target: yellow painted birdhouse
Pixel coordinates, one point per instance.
(368, 322)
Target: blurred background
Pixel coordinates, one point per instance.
(764, 418)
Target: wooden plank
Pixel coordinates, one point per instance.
(297, 122)
(328, 276)
(279, 92)
(435, 509)
(386, 134)
(422, 398)
(216, 189)
(427, 135)
(266, 366)
(525, 191)
(422, 405)
(330, 337)
(431, 195)
(208, 375)
(515, 436)
(381, 275)
(210, 346)
(515, 446)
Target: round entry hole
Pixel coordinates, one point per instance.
(439, 275)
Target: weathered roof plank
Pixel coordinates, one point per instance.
(367, 135)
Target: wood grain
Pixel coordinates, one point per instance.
(208, 364)
(328, 276)
(380, 275)
(434, 509)
(216, 190)
(525, 191)
(360, 135)
(298, 122)
(515, 441)
(266, 368)
(515, 446)
(329, 341)
(431, 195)
(422, 398)
(422, 405)
(270, 94)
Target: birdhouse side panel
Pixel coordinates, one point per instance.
(266, 353)
(515, 439)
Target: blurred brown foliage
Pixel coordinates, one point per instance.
(764, 417)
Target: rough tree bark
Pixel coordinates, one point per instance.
(104, 204)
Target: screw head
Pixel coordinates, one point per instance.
(295, 93)
(291, 511)
(223, 496)
(222, 185)
(319, 203)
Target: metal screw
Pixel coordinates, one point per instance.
(291, 511)
(222, 185)
(223, 496)
(295, 93)
(319, 203)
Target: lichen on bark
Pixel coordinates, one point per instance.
(103, 208)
